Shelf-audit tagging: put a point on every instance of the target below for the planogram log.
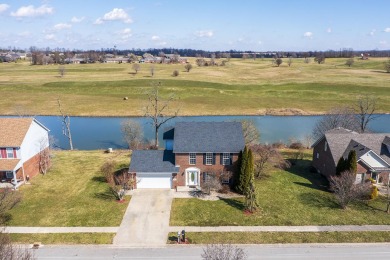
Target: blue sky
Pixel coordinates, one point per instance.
(279, 25)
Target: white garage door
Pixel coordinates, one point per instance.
(154, 180)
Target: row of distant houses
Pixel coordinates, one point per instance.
(193, 150)
(12, 56)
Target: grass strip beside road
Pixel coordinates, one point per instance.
(281, 237)
(64, 238)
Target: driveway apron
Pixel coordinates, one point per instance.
(146, 221)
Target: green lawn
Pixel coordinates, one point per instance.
(282, 237)
(292, 197)
(72, 193)
(244, 87)
(67, 238)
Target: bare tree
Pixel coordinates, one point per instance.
(250, 131)
(337, 117)
(136, 67)
(188, 67)
(267, 155)
(319, 58)
(307, 140)
(65, 125)
(349, 62)
(365, 109)
(346, 190)
(132, 133)
(44, 156)
(212, 182)
(61, 71)
(223, 252)
(387, 66)
(152, 70)
(289, 61)
(158, 110)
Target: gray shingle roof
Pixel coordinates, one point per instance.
(153, 161)
(342, 141)
(202, 137)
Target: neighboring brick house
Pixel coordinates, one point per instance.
(21, 141)
(372, 150)
(192, 151)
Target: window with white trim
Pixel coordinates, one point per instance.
(10, 153)
(318, 155)
(192, 158)
(209, 158)
(326, 146)
(9, 175)
(226, 158)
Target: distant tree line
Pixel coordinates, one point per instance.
(341, 53)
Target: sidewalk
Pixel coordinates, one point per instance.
(346, 228)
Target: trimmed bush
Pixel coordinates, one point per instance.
(374, 193)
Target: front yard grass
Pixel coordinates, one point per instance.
(64, 238)
(282, 237)
(72, 193)
(287, 197)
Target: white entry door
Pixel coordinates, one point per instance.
(192, 177)
(154, 180)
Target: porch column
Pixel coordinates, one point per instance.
(15, 182)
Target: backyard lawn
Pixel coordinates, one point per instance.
(243, 87)
(72, 193)
(287, 197)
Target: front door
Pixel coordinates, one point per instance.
(192, 177)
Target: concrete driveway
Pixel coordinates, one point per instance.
(146, 221)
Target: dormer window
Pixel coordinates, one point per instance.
(10, 153)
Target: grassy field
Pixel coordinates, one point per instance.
(68, 238)
(282, 237)
(291, 197)
(242, 87)
(72, 193)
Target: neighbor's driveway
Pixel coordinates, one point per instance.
(146, 220)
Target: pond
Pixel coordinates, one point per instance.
(104, 132)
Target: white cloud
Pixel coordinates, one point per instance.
(387, 29)
(126, 33)
(77, 19)
(62, 26)
(31, 11)
(50, 36)
(329, 30)
(117, 14)
(3, 7)
(155, 38)
(204, 33)
(372, 32)
(308, 35)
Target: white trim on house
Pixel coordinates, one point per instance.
(372, 160)
(209, 158)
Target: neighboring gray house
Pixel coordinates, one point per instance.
(372, 150)
(192, 151)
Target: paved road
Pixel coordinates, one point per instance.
(297, 251)
(146, 220)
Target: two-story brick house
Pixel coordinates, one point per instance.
(21, 141)
(372, 150)
(192, 151)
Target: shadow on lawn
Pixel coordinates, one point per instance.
(302, 168)
(99, 179)
(107, 195)
(318, 201)
(233, 203)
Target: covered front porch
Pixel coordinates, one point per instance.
(11, 173)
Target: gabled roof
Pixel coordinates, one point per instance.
(203, 137)
(153, 161)
(13, 131)
(341, 141)
(8, 164)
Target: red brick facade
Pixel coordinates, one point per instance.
(182, 160)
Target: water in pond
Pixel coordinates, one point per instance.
(101, 133)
